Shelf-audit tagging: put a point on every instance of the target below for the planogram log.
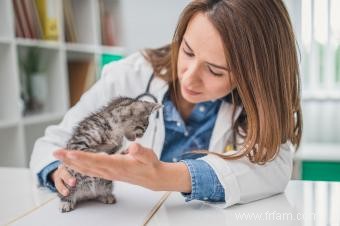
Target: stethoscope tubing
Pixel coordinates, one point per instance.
(148, 94)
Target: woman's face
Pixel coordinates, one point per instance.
(202, 68)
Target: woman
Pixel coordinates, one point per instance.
(229, 83)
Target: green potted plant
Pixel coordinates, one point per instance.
(34, 80)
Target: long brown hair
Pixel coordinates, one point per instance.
(260, 47)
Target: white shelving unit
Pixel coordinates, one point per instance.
(18, 132)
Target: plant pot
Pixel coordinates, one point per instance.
(39, 91)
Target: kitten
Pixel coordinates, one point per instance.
(103, 131)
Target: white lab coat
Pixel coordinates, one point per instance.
(242, 180)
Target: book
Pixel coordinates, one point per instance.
(107, 25)
(18, 29)
(26, 5)
(48, 16)
(27, 21)
(20, 16)
(90, 76)
(107, 58)
(81, 77)
(36, 20)
(70, 29)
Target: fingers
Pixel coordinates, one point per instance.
(73, 159)
(67, 178)
(61, 178)
(140, 153)
(60, 153)
(61, 188)
(134, 148)
(110, 167)
(83, 160)
(90, 164)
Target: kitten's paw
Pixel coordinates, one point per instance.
(109, 199)
(66, 206)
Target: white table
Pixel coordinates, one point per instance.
(22, 203)
(18, 194)
(303, 203)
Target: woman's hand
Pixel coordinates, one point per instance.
(139, 166)
(60, 177)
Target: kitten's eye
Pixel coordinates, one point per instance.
(146, 123)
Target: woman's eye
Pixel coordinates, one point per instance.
(215, 73)
(188, 53)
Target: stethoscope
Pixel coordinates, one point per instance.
(148, 94)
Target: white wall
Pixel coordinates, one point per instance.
(149, 23)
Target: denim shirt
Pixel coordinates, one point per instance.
(180, 139)
(194, 134)
(43, 176)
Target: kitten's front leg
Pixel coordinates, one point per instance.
(66, 206)
(68, 203)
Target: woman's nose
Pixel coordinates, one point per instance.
(191, 72)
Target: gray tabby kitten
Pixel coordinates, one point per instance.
(103, 131)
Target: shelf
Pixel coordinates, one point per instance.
(6, 40)
(51, 89)
(19, 128)
(315, 96)
(79, 56)
(25, 42)
(4, 124)
(79, 47)
(42, 118)
(84, 21)
(85, 48)
(119, 50)
(318, 152)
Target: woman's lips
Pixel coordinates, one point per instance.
(191, 92)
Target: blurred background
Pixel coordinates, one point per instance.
(51, 51)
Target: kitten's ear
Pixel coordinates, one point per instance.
(155, 107)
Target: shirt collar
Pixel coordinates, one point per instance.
(170, 112)
(200, 112)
